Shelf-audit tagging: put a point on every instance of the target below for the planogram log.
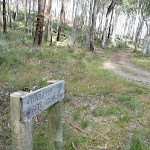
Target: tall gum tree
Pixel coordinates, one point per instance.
(110, 8)
(9, 12)
(92, 29)
(25, 12)
(146, 15)
(61, 19)
(4, 17)
(39, 25)
(115, 19)
(75, 23)
(139, 29)
(0, 14)
(89, 22)
(110, 24)
(47, 20)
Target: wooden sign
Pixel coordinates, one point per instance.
(39, 100)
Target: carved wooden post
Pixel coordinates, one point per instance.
(21, 131)
(55, 128)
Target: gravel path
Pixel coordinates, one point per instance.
(121, 65)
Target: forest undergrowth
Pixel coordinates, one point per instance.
(112, 113)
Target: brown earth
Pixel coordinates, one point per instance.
(120, 64)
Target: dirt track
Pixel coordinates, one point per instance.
(121, 65)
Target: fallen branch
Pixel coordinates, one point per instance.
(75, 126)
(74, 146)
(103, 147)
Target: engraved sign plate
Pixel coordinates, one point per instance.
(39, 100)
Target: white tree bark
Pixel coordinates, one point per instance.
(105, 31)
(115, 19)
(75, 24)
(126, 26)
(109, 10)
(146, 46)
(90, 20)
(138, 34)
(136, 25)
(74, 30)
(25, 12)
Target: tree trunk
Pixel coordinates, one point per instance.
(47, 19)
(17, 9)
(126, 26)
(29, 7)
(61, 19)
(74, 28)
(51, 40)
(112, 5)
(9, 12)
(101, 22)
(146, 46)
(138, 35)
(135, 25)
(10, 15)
(39, 25)
(0, 14)
(25, 12)
(110, 24)
(4, 17)
(115, 19)
(83, 20)
(33, 11)
(89, 23)
(73, 10)
(92, 30)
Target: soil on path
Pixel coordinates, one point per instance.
(120, 64)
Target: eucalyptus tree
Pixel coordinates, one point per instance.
(4, 17)
(25, 12)
(89, 21)
(49, 6)
(33, 6)
(109, 10)
(17, 10)
(141, 23)
(92, 29)
(29, 8)
(73, 7)
(76, 22)
(146, 44)
(61, 19)
(146, 15)
(0, 14)
(110, 23)
(9, 12)
(40, 22)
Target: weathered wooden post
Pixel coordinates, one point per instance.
(55, 128)
(25, 105)
(21, 131)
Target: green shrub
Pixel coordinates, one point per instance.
(15, 24)
(137, 144)
(76, 114)
(85, 123)
(121, 44)
(4, 48)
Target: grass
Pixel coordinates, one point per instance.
(143, 61)
(110, 109)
